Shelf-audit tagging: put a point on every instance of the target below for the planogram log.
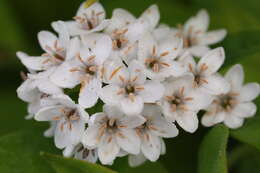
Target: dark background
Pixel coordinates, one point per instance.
(21, 20)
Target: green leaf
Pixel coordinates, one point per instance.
(121, 165)
(212, 152)
(70, 165)
(249, 133)
(19, 152)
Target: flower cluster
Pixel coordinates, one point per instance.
(148, 77)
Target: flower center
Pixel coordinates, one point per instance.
(91, 70)
(130, 89)
(227, 102)
(178, 100)
(88, 22)
(72, 115)
(118, 39)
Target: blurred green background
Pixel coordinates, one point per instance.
(22, 141)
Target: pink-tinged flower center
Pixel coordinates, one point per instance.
(118, 39)
(88, 22)
(227, 102)
(178, 100)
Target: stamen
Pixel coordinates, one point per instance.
(114, 72)
(164, 54)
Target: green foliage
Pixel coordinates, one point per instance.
(68, 165)
(212, 152)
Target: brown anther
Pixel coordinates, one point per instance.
(181, 91)
(183, 107)
(188, 99)
(120, 92)
(165, 53)
(121, 78)
(114, 72)
(203, 67)
(56, 118)
(190, 67)
(154, 51)
(70, 126)
(174, 107)
(156, 68)
(120, 135)
(75, 69)
(131, 97)
(152, 127)
(91, 58)
(139, 88)
(109, 139)
(135, 78)
(165, 64)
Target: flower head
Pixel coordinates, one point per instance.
(129, 88)
(111, 131)
(196, 39)
(236, 105)
(70, 118)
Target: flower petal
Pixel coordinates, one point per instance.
(108, 149)
(47, 39)
(131, 121)
(198, 23)
(153, 91)
(88, 95)
(235, 76)
(233, 122)
(151, 146)
(109, 94)
(245, 110)
(33, 62)
(151, 16)
(212, 37)
(210, 119)
(170, 47)
(163, 128)
(132, 107)
(90, 137)
(120, 18)
(198, 50)
(215, 85)
(249, 92)
(188, 121)
(102, 49)
(213, 61)
(69, 134)
(49, 113)
(66, 75)
(128, 140)
(136, 160)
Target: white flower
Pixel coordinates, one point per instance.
(85, 68)
(57, 50)
(51, 130)
(195, 35)
(88, 20)
(111, 130)
(206, 78)
(137, 160)
(181, 102)
(70, 118)
(150, 17)
(128, 88)
(157, 58)
(36, 90)
(151, 132)
(125, 31)
(82, 153)
(236, 105)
